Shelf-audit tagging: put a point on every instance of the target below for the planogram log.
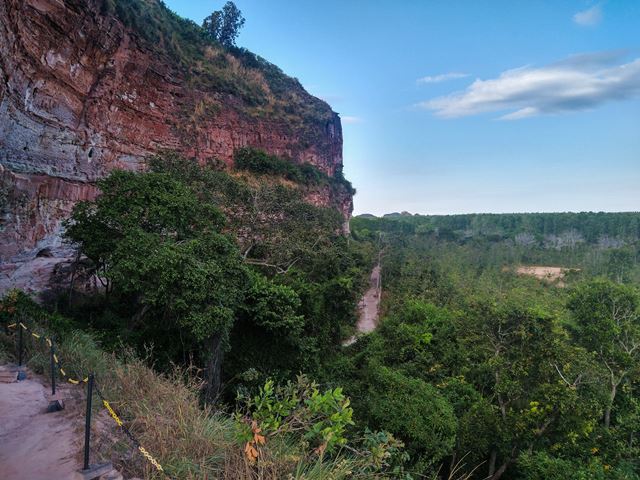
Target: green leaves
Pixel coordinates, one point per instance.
(414, 411)
(273, 306)
(173, 269)
(607, 319)
(300, 410)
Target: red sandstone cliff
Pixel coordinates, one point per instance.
(81, 94)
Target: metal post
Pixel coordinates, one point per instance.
(87, 426)
(19, 345)
(53, 371)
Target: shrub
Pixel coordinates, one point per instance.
(298, 408)
(414, 411)
(257, 161)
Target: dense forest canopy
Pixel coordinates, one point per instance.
(483, 368)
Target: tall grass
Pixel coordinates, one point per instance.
(190, 440)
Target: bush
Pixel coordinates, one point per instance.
(314, 419)
(261, 163)
(414, 411)
(257, 161)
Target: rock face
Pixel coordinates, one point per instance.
(82, 94)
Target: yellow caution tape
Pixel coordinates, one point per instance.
(144, 452)
(55, 357)
(112, 412)
(150, 458)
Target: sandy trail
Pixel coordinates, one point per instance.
(35, 445)
(369, 305)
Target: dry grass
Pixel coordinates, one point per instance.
(189, 440)
(163, 412)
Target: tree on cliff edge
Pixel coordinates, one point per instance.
(162, 251)
(224, 25)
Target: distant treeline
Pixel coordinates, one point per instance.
(487, 373)
(556, 229)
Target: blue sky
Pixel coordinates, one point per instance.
(467, 106)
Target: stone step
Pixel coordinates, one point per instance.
(9, 373)
(112, 475)
(8, 377)
(10, 369)
(94, 471)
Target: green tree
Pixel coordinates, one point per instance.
(517, 355)
(620, 264)
(607, 324)
(224, 25)
(153, 241)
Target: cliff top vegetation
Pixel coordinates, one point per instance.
(212, 66)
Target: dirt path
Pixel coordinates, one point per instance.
(369, 306)
(35, 445)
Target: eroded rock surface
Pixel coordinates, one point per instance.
(81, 94)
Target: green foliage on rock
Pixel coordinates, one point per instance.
(261, 163)
(213, 64)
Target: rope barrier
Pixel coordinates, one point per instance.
(128, 433)
(63, 373)
(105, 402)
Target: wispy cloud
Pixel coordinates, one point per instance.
(589, 17)
(576, 83)
(351, 119)
(442, 77)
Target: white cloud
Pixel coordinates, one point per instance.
(576, 83)
(590, 17)
(350, 119)
(442, 77)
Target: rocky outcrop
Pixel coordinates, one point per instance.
(82, 94)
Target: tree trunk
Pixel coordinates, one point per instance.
(607, 412)
(492, 463)
(213, 369)
(452, 463)
(500, 472)
(74, 266)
